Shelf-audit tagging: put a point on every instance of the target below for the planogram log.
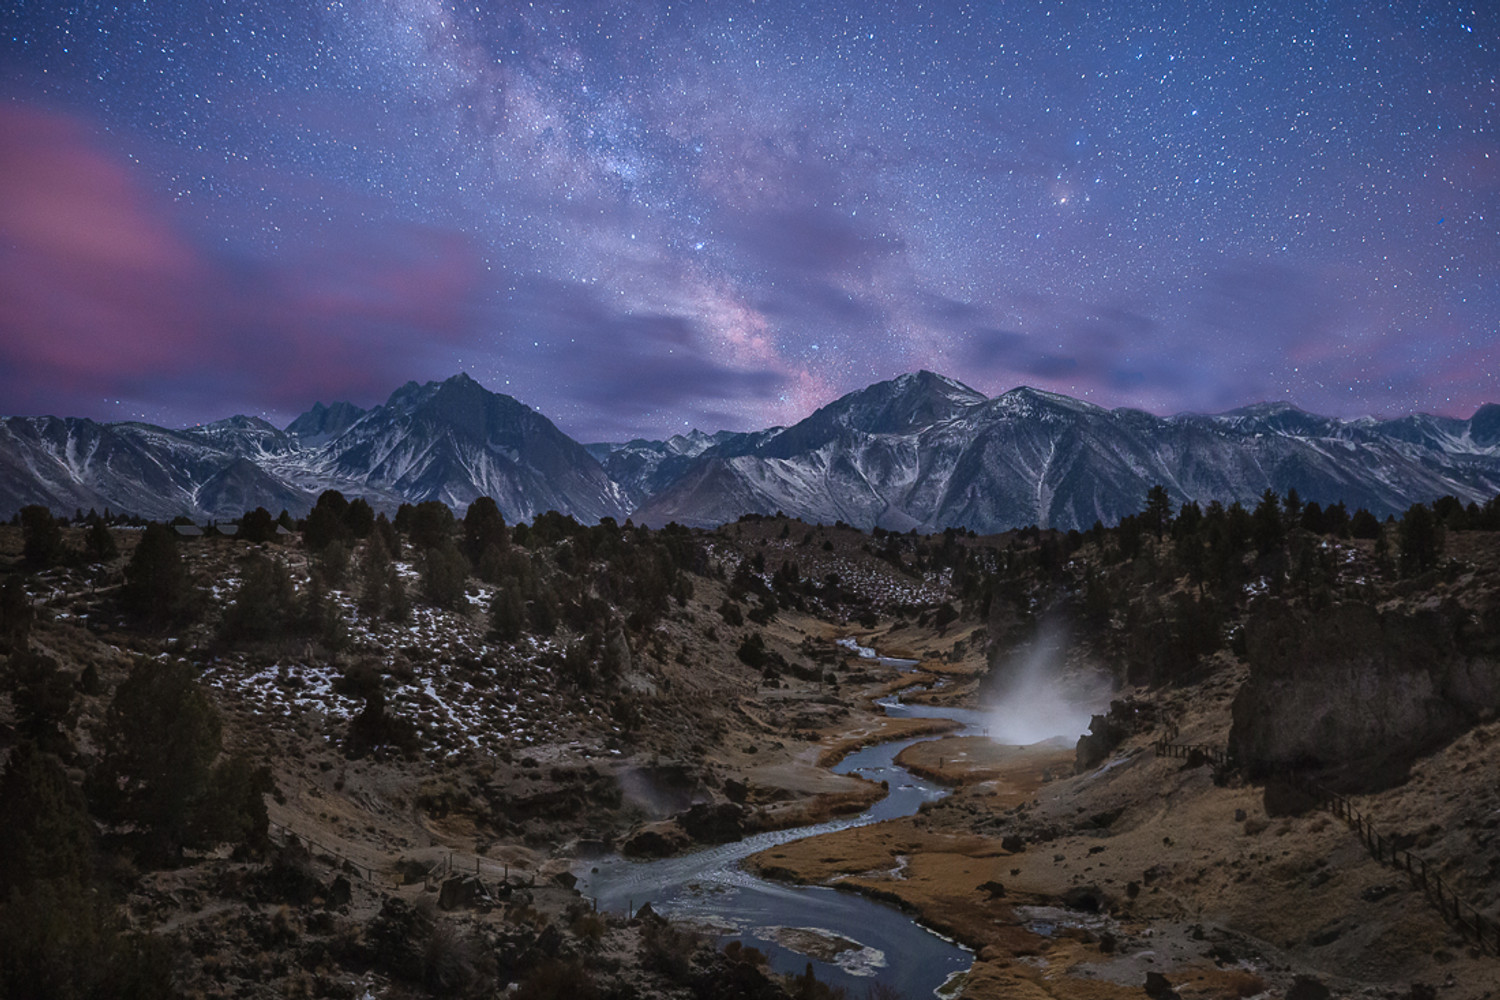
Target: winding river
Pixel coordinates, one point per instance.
(710, 889)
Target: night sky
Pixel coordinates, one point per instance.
(645, 217)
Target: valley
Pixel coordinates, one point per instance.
(461, 798)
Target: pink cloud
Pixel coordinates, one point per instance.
(103, 294)
(94, 282)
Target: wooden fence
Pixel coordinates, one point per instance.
(451, 865)
(1483, 931)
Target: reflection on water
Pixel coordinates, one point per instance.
(798, 924)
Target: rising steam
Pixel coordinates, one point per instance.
(1036, 698)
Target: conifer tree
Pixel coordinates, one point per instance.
(1420, 540)
(445, 572)
(56, 935)
(16, 615)
(359, 519)
(1269, 530)
(41, 538)
(256, 526)
(263, 603)
(1158, 512)
(157, 588)
(43, 697)
(507, 613)
(98, 544)
(325, 522)
(484, 529)
(158, 745)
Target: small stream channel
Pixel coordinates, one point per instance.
(710, 889)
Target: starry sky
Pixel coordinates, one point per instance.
(643, 217)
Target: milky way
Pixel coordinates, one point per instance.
(643, 217)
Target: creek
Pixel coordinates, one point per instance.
(862, 941)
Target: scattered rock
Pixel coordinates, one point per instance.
(1086, 898)
(995, 889)
(1158, 988)
(462, 892)
(339, 893)
(1307, 988)
(647, 915)
(1282, 798)
(714, 823)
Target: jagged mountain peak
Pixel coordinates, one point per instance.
(898, 406)
(239, 422)
(323, 422)
(1025, 401)
(1484, 425)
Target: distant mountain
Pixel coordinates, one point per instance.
(322, 423)
(456, 441)
(925, 452)
(644, 468)
(451, 441)
(921, 451)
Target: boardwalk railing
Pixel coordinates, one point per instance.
(451, 865)
(1483, 931)
(1185, 751)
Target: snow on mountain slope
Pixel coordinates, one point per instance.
(921, 451)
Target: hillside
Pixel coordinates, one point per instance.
(436, 698)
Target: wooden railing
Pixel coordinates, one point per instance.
(1483, 931)
(452, 864)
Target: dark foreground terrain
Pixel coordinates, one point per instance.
(361, 758)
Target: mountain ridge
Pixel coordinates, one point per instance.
(921, 451)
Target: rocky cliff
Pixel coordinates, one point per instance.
(1359, 693)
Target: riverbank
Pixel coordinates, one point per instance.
(1084, 885)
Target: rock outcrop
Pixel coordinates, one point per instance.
(1359, 693)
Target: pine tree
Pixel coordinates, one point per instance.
(1269, 530)
(98, 544)
(56, 932)
(1420, 540)
(445, 573)
(374, 565)
(507, 613)
(158, 745)
(157, 588)
(431, 525)
(44, 823)
(1158, 512)
(43, 697)
(484, 529)
(256, 527)
(42, 542)
(263, 604)
(359, 518)
(16, 615)
(398, 607)
(325, 522)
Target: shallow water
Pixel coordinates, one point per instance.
(709, 887)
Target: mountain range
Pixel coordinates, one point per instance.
(918, 452)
